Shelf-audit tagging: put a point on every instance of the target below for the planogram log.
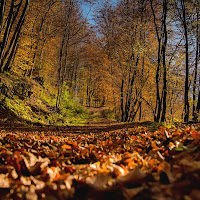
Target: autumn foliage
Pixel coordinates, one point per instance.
(139, 58)
(135, 61)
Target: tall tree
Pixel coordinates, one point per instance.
(184, 21)
(196, 24)
(161, 33)
(182, 14)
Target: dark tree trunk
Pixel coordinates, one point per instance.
(164, 46)
(194, 109)
(129, 97)
(161, 33)
(140, 111)
(122, 100)
(158, 99)
(198, 102)
(60, 70)
(186, 106)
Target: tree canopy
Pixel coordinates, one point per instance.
(140, 59)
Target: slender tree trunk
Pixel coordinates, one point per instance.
(122, 100)
(130, 94)
(134, 112)
(158, 99)
(60, 69)
(140, 111)
(164, 46)
(198, 102)
(113, 90)
(186, 106)
(194, 109)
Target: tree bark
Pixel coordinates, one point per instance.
(158, 99)
(186, 96)
(164, 46)
(194, 109)
(122, 100)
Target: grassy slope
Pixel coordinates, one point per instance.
(29, 101)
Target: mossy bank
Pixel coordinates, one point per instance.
(29, 101)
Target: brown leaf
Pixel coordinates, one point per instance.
(4, 181)
(134, 177)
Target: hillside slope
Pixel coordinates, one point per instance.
(26, 100)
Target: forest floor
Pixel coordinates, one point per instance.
(99, 160)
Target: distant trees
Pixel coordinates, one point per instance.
(128, 30)
(74, 33)
(53, 34)
(68, 11)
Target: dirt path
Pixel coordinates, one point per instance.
(89, 128)
(98, 122)
(99, 116)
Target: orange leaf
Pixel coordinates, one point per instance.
(65, 146)
(91, 147)
(54, 138)
(127, 155)
(128, 160)
(153, 163)
(153, 144)
(195, 135)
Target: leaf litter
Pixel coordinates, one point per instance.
(129, 163)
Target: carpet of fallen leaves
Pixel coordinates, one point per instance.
(132, 163)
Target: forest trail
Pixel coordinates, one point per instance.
(96, 123)
(98, 116)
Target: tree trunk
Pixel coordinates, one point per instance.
(129, 96)
(158, 99)
(164, 46)
(194, 109)
(186, 106)
(122, 100)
